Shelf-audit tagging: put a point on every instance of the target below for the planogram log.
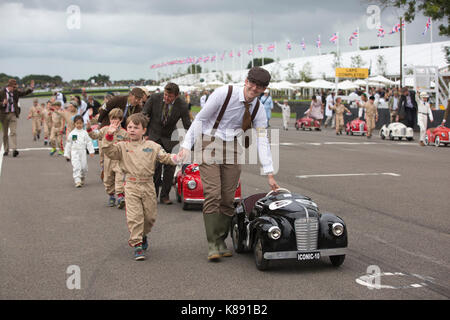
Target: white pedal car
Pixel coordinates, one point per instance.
(396, 130)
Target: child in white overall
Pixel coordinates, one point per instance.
(78, 141)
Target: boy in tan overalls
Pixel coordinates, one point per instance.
(137, 160)
(56, 131)
(69, 115)
(113, 176)
(47, 121)
(371, 115)
(35, 115)
(339, 109)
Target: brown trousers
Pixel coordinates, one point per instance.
(112, 176)
(219, 180)
(36, 126)
(9, 121)
(140, 209)
(55, 138)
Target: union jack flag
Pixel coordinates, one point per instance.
(427, 26)
(289, 46)
(271, 47)
(381, 33)
(239, 53)
(351, 39)
(318, 42)
(250, 52)
(396, 28)
(334, 38)
(213, 58)
(230, 54)
(206, 59)
(303, 44)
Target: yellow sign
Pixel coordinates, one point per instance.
(359, 73)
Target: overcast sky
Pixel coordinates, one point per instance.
(124, 38)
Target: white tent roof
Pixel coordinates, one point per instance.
(381, 79)
(320, 84)
(347, 85)
(282, 85)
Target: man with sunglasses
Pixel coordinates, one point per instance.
(229, 111)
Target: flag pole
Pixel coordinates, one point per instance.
(357, 30)
(431, 41)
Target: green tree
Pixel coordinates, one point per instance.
(357, 61)
(435, 9)
(258, 62)
(194, 68)
(306, 72)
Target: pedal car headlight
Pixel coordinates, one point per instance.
(274, 233)
(192, 184)
(337, 229)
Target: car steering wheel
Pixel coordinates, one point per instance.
(282, 189)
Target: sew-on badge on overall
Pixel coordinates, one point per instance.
(120, 137)
(261, 132)
(74, 137)
(147, 150)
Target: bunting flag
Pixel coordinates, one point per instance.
(271, 47)
(289, 46)
(427, 26)
(334, 38)
(381, 33)
(396, 28)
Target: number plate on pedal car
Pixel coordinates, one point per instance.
(305, 256)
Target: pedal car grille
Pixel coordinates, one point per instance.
(361, 127)
(306, 232)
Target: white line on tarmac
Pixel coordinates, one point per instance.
(34, 149)
(348, 175)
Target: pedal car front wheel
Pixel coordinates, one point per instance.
(258, 251)
(337, 261)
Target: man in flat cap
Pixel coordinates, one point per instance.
(129, 104)
(229, 111)
(9, 113)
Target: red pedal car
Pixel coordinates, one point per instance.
(438, 136)
(356, 126)
(189, 187)
(307, 123)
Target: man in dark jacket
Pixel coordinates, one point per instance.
(9, 113)
(164, 111)
(408, 108)
(129, 104)
(94, 105)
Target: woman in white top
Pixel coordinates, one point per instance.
(315, 111)
(423, 111)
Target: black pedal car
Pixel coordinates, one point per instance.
(284, 225)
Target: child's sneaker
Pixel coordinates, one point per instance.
(53, 151)
(144, 243)
(60, 153)
(111, 201)
(78, 185)
(139, 253)
(120, 202)
(82, 181)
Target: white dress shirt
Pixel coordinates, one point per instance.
(231, 124)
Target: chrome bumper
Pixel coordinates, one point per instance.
(293, 254)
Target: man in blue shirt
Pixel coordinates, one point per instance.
(267, 102)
